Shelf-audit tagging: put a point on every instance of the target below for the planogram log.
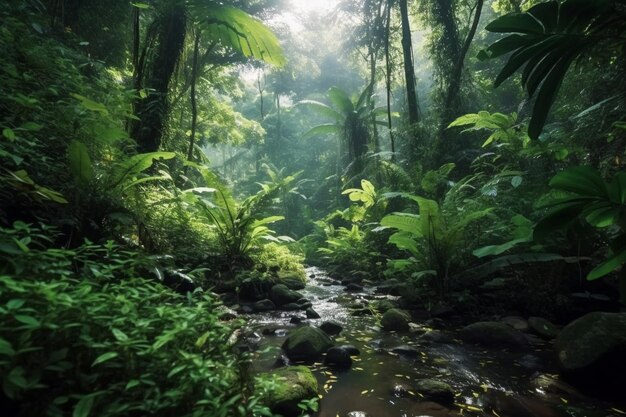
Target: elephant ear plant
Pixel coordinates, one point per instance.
(600, 203)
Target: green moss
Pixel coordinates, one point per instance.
(291, 385)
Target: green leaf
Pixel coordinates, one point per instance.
(516, 181)
(6, 348)
(84, 406)
(105, 357)
(582, 180)
(498, 249)
(141, 5)
(608, 266)
(119, 335)
(516, 22)
(128, 169)
(321, 130)
(28, 320)
(341, 100)
(15, 303)
(234, 28)
(406, 222)
(9, 134)
(91, 105)
(405, 241)
(80, 162)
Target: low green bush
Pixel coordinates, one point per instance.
(89, 337)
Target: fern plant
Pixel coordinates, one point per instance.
(434, 239)
(240, 227)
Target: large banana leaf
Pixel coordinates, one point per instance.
(236, 29)
(545, 40)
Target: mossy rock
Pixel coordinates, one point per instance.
(395, 319)
(293, 280)
(280, 294)
(294, 384)
(543, 328)
(434, 390)
(493, 334)
(591, 353)
(306, 344)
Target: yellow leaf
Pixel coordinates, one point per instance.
(364, 392)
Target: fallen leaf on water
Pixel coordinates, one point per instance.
(564, 400)
(618, 411)
(364, 392)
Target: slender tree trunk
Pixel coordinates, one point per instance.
(370, 101)
(279, 126)
(152, 110)
(454, 85)
(136, 34)
(194, 104)
(409, 69)
(261, 89)
(388, 81)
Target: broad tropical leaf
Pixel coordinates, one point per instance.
(545, 40)
(135, 165)
(235, 28)
(405, 222)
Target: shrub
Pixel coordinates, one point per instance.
(89, 335)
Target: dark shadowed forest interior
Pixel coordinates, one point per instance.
(313, 208)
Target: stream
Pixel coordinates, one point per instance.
(494, 382)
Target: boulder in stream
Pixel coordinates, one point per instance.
(312, 314)
(407, 351)
(294, 384)
(431, 409)
(293, 280)
(354, 287)
(281, 295)
(434, 390)
(338, 357)
(543, 328)
(493, 334)
(395, 319)
(263, 305)
(331, 328)
(306, 344)
(591, 353)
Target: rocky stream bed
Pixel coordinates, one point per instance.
(415, 367)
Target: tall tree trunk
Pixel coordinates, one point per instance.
(370, 101)
(409, 69)
(454, 84)
(194, 104)
(388, 81)
(279, 126)
(152, 110)
(136, 39)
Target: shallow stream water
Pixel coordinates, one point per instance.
(498, 383)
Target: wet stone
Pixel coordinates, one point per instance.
(312, 314)
(406, 350)
(331, 328)
(338, 357)
(351, 349)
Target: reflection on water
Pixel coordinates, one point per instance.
(486, 382)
